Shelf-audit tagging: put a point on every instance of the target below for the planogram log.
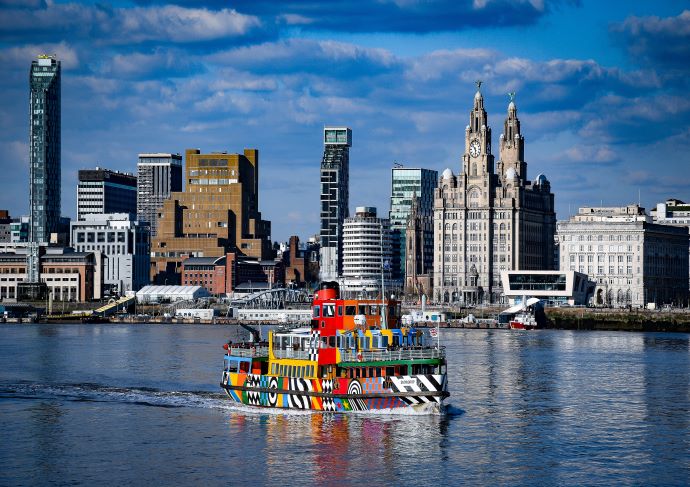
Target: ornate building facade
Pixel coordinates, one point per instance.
(490, 217)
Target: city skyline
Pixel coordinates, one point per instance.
(605, 102)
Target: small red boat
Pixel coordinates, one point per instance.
(523, 321)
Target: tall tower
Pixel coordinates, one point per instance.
(478, 162)
(512, 144)
(159, 175)
(335, 196)
(44, 156)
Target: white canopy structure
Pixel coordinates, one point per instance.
(520, 306)
(157, 294)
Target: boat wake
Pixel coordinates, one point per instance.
(89, 392)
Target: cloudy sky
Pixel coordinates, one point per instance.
(603, 90)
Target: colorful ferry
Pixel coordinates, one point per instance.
(354, 356)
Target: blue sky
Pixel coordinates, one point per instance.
(602, 91)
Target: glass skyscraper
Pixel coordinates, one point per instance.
(335, 198)
(44, 157)
(406, 183)
(159, 175)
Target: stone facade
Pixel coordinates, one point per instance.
(484, 222)
(632, 260)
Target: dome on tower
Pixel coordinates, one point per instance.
(477, 95)
(540, 179)
(511, 105)
(511, 173)
(447, 174)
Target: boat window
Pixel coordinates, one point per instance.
(367, 343)
(390, 370)
(384, 342)
(374, 309)
(232, 366)
(362, 309)
(350, 310)
(329, 310)
(244, 366)
(378, 372)
(323, 324)
(340, 311)
(316, 312)
(331, 341)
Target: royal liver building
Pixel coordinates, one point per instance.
(490, 218)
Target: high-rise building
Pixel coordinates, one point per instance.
(485, 222)
(672, 212)
(44, 152)
(335, 198)
(632, 260)
(5, 226)
(158, 176)
(124, 244)
(102, 191)
(406, 185)
(366, 251)
(419, 251)
(218, 213)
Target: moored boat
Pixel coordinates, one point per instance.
(523, 321)
(354, 356)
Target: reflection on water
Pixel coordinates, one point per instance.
(141, 404)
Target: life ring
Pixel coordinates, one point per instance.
(359, 357)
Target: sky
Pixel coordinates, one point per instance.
(603, 91)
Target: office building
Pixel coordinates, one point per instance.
(335, 198)
(418, 251)
(490, 218)
(44, 151)
(5, 226)
(19, 229)
(125, 246)
(673, 212)
(406, 185)
(217, 213)
(102, 191)
(67, 275)
(632, 260)
(158, 176)
(366, 251)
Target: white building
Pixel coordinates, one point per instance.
(632, 260)
(125, 245)
(366, 251)
(161, 294)
(673, 212)
(553, 287)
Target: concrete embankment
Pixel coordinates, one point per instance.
(633, 320)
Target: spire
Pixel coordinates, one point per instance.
(478, 98)
(511, 126)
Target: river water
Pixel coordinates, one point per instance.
(140, 404)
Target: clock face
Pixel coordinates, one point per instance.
(475, 148)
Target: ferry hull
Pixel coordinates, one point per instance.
(420, 393)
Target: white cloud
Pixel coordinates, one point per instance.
(24, 54)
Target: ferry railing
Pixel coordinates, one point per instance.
(291, 353)
(401, 354)
(248, 352)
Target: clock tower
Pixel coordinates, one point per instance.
(478, 162)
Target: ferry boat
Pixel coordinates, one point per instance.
(354, 356)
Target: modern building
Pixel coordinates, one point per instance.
(490, 218)
(125, 245)
(19, 229)
(335, 198)
(218, 213)
(68, 275)
(5, 226)
(555, 288)
(102, 191)
(408, 184)
(45, 150)
(632, 260)
(366, 251)
(158, 176)
(673, 212)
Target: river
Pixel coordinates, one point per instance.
(140, 404)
